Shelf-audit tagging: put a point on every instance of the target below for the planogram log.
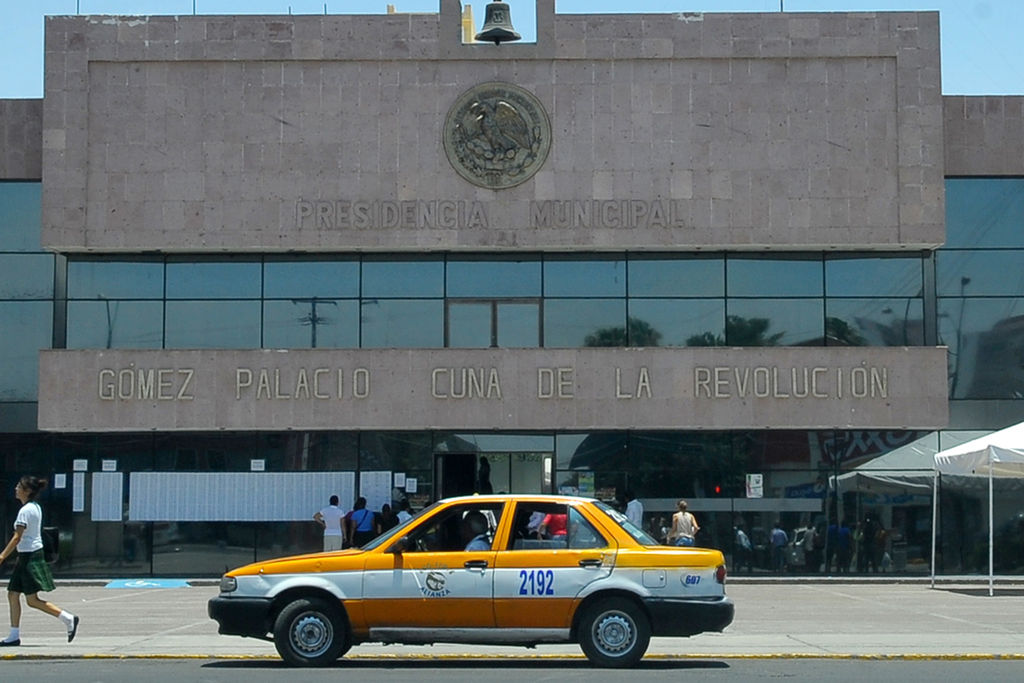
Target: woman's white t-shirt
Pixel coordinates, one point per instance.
(30, 516)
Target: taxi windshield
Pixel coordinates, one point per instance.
(638, 534)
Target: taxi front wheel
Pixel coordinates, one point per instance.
(614, 633)
(311, 632)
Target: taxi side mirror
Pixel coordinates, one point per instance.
(400, 546)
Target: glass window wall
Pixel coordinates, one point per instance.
(19, 353)
(213, 325)
(493, 278)
(113, 279)
(571, 323)
(26, 276)
(682, 276)
(679, 301)
(306, 279)
(115, 324)
(402, 323)
(21, 220)
(591, 278)
(213, 280)
(774, 277)
(310, 323)
(984, 212)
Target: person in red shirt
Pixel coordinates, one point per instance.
(553, 526)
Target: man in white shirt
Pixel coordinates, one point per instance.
(405, 514)
(634, 510)
(330, 519)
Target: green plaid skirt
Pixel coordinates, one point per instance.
(31, 574)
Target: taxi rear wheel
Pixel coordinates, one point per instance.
(311, 632)
(614, 633)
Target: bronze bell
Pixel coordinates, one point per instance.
(497, 26)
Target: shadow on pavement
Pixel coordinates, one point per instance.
(472, 663)
(983, 592)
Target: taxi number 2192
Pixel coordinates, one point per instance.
(536, 582)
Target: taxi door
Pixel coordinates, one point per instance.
(537, 581)
(430, 587)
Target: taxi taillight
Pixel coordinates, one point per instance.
(720, 574)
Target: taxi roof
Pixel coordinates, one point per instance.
(511, 497)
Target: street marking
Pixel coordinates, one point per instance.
(148, 583)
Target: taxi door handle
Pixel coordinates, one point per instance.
(590, 563)
(475, 564)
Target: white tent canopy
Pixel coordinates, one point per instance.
(907, 469)
(999, 454)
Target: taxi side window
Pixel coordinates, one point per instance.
(550, 526)
(447, 530)
(582, 534)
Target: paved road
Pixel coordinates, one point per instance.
(775, 619)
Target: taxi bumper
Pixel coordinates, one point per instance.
(248, 617)
(689, 616)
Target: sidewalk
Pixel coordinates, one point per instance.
(784, 618)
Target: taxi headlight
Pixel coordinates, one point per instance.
(228, 584)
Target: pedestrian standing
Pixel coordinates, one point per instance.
(778, 539)
(634, 510)
(330, 519)
(362, 524)
(684, 526)
(31, 573)
(405, 513)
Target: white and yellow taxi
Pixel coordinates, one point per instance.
(501, 569)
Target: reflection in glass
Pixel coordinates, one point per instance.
(682, 322)
(201, 548)
(979, 272)
(985, 212)
(781, 277)
(568, 322)
(584, 278)
(493, 278)
(402, 323)
(213, 280)
(19, 353)
(310, 278)
(864, 276)
(114, 324)
(469, 325)
(21, 216)
(403, 278)
(213, 325)
(875, 322)
(115, 280)
(26, 276)
(311, 323)
(986, 344)
(518, 325)
(690, 277)
(775, 322)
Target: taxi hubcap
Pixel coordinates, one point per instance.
(614, 633)
(312, 635)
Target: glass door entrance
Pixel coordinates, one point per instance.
(494, 472)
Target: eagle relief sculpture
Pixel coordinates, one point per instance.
(497, 135)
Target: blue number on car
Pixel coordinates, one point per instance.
(536, 582)
(692, 580)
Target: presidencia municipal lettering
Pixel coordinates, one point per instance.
(463, 388)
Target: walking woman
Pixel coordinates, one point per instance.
(31, 573)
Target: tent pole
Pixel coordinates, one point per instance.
(935, 516)
(991, 526)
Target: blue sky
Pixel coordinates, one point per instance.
(978, 36)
